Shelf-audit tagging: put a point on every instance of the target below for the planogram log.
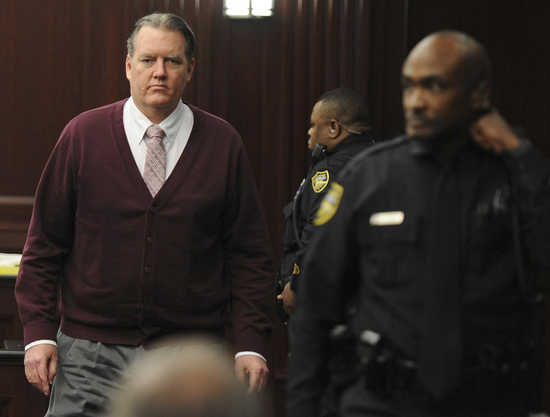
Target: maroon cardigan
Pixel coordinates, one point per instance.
(130, 267)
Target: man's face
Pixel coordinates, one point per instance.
(319, 126)
(158, 71)
(435, 93)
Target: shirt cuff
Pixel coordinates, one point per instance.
(40, 342)
(246, 352)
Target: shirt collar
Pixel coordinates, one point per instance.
(170, 124)
(442, 149)
(351, 140)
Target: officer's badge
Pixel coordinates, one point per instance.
(296, 270)
(329, 205)
(319, 181)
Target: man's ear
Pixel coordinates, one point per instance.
(190, 69)
(480, 100)
(334, 129)
(128, 66)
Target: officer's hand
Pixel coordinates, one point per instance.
(253, 370)
(493, 133)
(289, 299)
(41, 366)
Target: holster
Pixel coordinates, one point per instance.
(342, 366)
(496, 378)
(279, 286)
(384, 369)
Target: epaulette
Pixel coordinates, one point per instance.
(377, 148)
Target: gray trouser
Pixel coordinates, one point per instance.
(87, 374)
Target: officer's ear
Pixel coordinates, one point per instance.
(334, 129)
(480, 99)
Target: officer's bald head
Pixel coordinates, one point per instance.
(446, 84)
(470, 59)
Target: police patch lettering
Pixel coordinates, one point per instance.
(319, 181)
(329, 205)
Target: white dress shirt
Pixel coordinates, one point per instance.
(177, 128)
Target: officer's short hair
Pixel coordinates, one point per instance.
(348, 107)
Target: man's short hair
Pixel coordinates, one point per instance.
(165, 21)
(348, 107)
(188, 377)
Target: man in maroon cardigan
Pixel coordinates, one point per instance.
(128, 266)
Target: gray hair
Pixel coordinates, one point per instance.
(189, 377)
(166, 21)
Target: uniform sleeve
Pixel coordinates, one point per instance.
(311, 203)
(314, 202)
(248, 261)
(325, 284)
(48, 242)
(531, 183)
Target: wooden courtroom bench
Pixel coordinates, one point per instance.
(17, 397)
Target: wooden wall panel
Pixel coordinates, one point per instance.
(278, 67)
(262, 75)
(17, 397)
(62, 57)
(10, 327)
(67, 56)
(516, 37)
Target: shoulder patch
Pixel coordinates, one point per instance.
(319, 180)
(329, 205)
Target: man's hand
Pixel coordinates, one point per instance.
(493, 133)
(41, 366)
(289, 299)
(252, 369)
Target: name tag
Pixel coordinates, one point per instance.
(387, 218)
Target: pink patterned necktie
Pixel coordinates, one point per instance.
(155, 160)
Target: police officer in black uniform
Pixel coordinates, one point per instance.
(437, 235)
(338, 131)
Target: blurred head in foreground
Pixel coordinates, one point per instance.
(191, 378)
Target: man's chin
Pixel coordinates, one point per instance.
(421, 134)
(162, 102)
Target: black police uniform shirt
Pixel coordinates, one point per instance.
(374, 237)
(308, 198)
